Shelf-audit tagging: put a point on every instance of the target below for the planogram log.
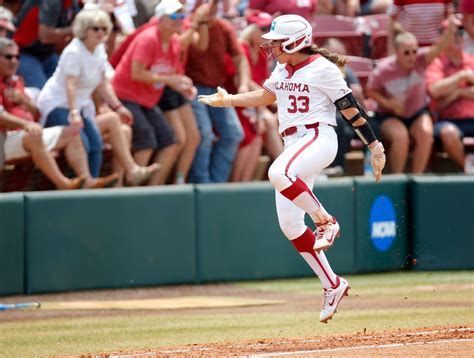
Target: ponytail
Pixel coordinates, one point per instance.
(339, 60)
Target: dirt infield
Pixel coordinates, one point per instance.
(444, 341)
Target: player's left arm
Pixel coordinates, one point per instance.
(356, 116)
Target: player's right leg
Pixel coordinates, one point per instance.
(291, 220)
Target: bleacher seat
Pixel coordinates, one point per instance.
(362, 68)
(349, 30)
(378, 25)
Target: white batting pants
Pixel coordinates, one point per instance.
(305, 154)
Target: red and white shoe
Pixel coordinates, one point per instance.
(326, 234)
(332, 297)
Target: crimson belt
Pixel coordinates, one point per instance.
(294, 129)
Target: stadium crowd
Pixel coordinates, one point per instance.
(82, 78)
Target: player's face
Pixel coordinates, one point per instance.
(273, 50)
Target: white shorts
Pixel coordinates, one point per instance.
(14, 142)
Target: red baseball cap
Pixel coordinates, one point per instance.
(260, 18)
(467, 7)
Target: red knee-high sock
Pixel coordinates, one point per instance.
(317, 261)
(303, 197)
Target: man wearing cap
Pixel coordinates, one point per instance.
(216, 153)
(467, 10)
(150, 63)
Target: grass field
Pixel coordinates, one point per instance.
(377, 302)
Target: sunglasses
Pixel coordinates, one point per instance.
(412, 51)
(10, 57)
(265, 29)
(99, 28)
(178, 16)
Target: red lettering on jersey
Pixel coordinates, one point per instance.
(289, 86)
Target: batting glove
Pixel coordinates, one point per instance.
(219, 99)
(377, 159)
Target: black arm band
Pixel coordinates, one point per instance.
(365, 133)
(348, 101)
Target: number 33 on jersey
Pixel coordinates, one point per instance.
(306, 93)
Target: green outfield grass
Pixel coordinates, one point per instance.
(93, 335)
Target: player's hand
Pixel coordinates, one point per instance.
(219, 99)
(377, 159)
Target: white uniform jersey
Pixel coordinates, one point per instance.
(306, 92)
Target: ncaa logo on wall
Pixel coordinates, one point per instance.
(382, 223)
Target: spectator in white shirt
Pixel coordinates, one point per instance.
(66, 98)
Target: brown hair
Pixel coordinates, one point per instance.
(339, 60)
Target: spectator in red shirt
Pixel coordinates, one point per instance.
(398, 86)
(450, 82)
(151, 62)
(260, 125)
(213, 160)
(26, 138)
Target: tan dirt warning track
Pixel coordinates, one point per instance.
(432, 341)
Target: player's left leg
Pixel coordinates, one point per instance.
(305, 155)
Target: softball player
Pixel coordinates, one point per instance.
(308, 87)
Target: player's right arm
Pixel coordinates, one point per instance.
(256, 98)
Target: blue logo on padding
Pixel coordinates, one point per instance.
(273, 25)
(382, 223)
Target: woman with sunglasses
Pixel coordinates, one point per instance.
(308, 86)
(66, 98)
(398, 86)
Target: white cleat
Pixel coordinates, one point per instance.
(326, 234)
(332, 297)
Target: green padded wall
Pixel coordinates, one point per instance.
(239, 237)
(443, 222)
(109, 238)
(381, 217)
(12, 239)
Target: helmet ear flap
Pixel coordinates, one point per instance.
(291, 45)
